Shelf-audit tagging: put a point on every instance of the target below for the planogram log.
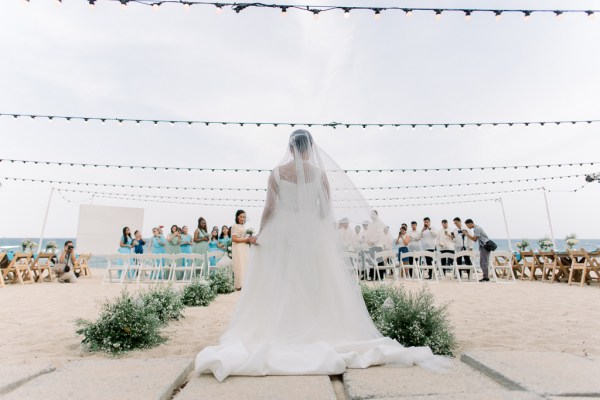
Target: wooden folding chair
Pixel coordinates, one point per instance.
(20, 268)
(580, 264)
(81, 265)
(501, 266)
(43, 263)
(2, 266)
(530, 261)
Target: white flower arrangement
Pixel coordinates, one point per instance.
(28, 244)
(571, 240)
(51, 245)
(250, 231)
(545, 243)
(523, 245)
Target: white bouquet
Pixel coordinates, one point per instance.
(250, 231)
(545, 243)
(51, 245)
(523, 245)
(28, 244)
(571, 241)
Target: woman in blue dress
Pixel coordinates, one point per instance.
(214, 245)
(225, 240)
(126, 243)
(157, 245)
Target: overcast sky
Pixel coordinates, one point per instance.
(174, 63)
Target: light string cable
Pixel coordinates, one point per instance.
(334, 125)
(370, 170)
(196, 203)
(440, 185)
(316, 10)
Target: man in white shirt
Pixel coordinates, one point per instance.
(388, 240)
(428, 241)
(445, 244)
(346, 235)
(415, 237)
(461, 243)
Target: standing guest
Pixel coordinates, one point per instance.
(445, 244)
(185, 244)
(345, 234)
(388, 240)
(356, 238)
(158, 242)
(403, 241)
(201, 237)
(126, 243)
(214, 245)
(462, 243)
(375, 239)
(240, 247)
(428, 241)
(415, 238)
(64, 268)
(138, 243)
(481, 238)
(173, 241)
(225, 239)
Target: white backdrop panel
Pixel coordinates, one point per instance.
(100, 227)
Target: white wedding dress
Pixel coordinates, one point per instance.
(301, 311)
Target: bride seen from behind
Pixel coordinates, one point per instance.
(301, 311)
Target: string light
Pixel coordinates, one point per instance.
(333, 125)
(438, 14)
(219, 9)
(498, 14)
(409, 12)
(92, 3)
(377, 13)
(345, 170)
(284, 11)
(346, 12)
(526, 15)
(467, 15)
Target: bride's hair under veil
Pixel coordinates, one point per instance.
(301, 310)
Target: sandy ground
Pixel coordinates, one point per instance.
(38, 320)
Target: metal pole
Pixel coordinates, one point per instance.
(506, 224)
(549, 219)
(45, 219)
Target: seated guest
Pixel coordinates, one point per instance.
(64, 267)
(138, 243)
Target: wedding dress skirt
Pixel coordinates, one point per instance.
(300, 311)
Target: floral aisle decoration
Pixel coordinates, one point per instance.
(28, 245)
(571, 241)
(51, 246)
(545, 243)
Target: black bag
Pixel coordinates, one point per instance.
(490, 245)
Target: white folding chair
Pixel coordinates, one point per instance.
(352, 258)
(184, 267)
(165, 266)
(464, 267)
(389, 263)
(502, 260)
(149, 268)
(450, 260)
(218, 255)
(423, 266)
(117, 263)
(411, 264)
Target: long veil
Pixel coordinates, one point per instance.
(301, 310)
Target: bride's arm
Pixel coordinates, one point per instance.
(269, 203)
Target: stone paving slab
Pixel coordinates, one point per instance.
(388, 382)
(115, 379)
(13, 376)
(206, 387)
(544, 373)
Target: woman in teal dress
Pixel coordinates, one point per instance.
(200, 245)
(173, 241)
(214, 245)
(126, 243)
(225, 240)
(158, 243)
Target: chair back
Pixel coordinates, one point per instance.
(501, 259)
(387, 256)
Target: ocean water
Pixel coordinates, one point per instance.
(97, 261)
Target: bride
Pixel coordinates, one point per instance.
(301, 311)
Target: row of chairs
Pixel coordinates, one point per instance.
(418, 265)
(26, 267)
(161, 268)
(574, 266)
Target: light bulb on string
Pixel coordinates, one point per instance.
(92, 3)
(186, 5)
(58, 2)
(346, 13)
(467, 15)
(409, 12)
(498, 14)
(590, 15)
(124, 3)
(559, 15)
(283, 11)
(316, 14)
(430, 127)
(377, 13)
(414, 127)
(397, 127)
(219, 9)
(526, 15)
(155, 6)
(438, 15)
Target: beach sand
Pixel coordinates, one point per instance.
(38, 320)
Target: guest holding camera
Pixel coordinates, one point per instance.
(462, 243)
(64, 268)
(445, 244)
(485, 246)
(428, 242)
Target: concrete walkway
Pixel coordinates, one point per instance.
(476, 375)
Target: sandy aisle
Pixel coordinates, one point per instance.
(38, 320)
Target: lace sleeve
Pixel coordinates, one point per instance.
(272, 190)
